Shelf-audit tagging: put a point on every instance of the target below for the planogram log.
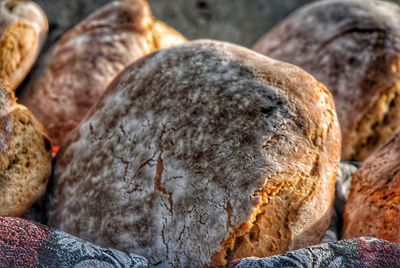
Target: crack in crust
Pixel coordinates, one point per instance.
(215, 124)
(352, 47)
(376, 128)
(159, 172)
(275, 228)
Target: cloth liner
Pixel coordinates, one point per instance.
(361, 252)
(24, 243)
(27, 244)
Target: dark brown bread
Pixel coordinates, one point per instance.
(23, 28)
(353, 47)
(373, 207)
(25, 158)
(200, 154)
(80, 66)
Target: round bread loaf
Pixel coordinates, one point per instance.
(25, 158)
(200, 154)
(353, 47)
(373, 207)
(83, 62)
(23, 28)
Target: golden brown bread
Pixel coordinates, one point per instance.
(23, 28)
(373, 207)
(25, 158)
(353, 47)
(200, 154)
(82, 63)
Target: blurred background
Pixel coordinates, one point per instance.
(238, 21)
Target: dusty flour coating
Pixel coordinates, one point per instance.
(169, 163)
(351, 46)
(81, 65)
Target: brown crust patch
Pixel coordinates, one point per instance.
(353, 48)
(80, 66)
(25, 162)
(268, 232)
(23, 27)
(373, 207)
(17, 43)
(376, 128)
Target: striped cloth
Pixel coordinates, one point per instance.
(27, 244)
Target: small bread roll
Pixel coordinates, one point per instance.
(201, 154)
(23, 28)
(353, 47)
(25, 158)
(83, 62)
(373, 207)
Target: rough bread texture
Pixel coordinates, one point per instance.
(200, 154)
(25, 158)
(23, 28)
(352, 47)
(84, 61)
(373, 207)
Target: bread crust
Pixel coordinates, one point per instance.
(353, 47)
(373, 207)
(84, 61)
(23, 28)
(25, 158)
(190, 147)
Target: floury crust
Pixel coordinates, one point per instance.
(79, 67)
(192, 150)
(352, 47)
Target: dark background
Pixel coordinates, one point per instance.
(237, 21)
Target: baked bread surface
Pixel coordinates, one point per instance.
(25, 157)
(84, 61)
(373, 207)
(353, 48)
(23, 28)
(200, 154)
